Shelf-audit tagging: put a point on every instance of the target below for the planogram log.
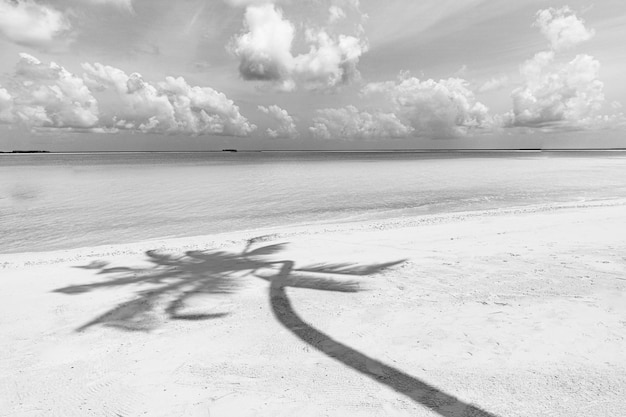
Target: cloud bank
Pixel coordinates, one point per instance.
(171, 106)
(407, 107)
(436, 108)
(49, 96)
(351, 123)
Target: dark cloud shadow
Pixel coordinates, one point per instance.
(173, 280)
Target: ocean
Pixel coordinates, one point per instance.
(63, 201)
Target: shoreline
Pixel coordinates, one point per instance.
(217, 240)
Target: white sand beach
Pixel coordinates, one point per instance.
(502, 313)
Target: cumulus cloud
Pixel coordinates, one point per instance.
(330, 61)
(351, 123)
(48, 96)
(562, 28)
(286, 125)
(435, 108)
(555, 93)
(26, 22)
(171, 106)
(265, 49)
(265, 52)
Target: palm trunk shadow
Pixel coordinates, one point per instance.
(427, 395)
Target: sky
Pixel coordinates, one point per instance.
(103, 75)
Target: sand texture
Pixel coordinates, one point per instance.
(512, 313)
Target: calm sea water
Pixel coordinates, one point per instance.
(59, 201)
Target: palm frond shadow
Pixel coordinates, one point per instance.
(163, 288)
(172, 280)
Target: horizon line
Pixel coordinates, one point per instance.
(407, 150)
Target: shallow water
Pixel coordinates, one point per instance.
(61, 201)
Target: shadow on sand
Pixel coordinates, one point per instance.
(173, 280)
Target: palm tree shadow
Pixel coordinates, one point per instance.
(173, 280)
(420, 392)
